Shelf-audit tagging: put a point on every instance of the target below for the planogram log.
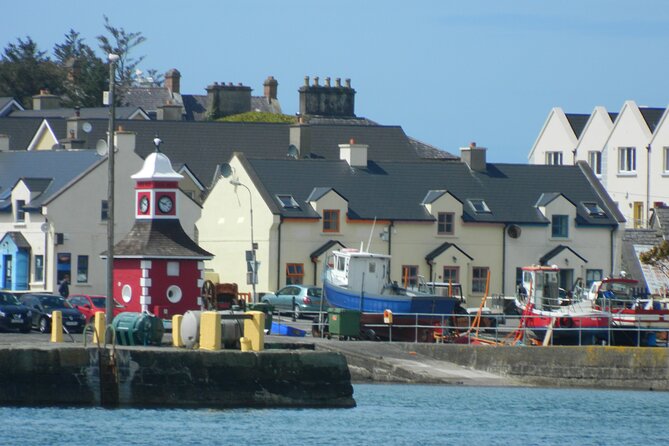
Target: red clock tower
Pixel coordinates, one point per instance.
(158, 268)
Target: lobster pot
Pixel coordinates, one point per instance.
(231, 329)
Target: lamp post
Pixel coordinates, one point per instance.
(254, 266)
(110, 189)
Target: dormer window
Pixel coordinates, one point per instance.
(479, 206)
(20, 212)
(594, 210)
(288, 202)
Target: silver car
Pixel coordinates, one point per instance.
(296, 299)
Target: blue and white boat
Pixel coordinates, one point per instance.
(360, 280)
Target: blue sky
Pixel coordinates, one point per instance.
(449, 72)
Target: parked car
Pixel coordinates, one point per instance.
(296, 299)
(88, 305)
(42, 305)
(14, 315)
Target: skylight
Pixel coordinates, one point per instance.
(288, 202)
(479, 206)
(594, 210)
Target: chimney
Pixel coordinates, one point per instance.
(271, 86)
(4, 142)
(354, 154)
(300, 137)
(173, 81)
(474, 157)
(225, 100)
(169, 112)
(45, 101)
(326, 100)
(75, 132)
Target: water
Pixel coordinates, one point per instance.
(386, 414)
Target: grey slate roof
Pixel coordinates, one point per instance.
(20, 131)
(84, 113)
(427, 151)
(613, 116)
(163, 238)
(57, 168)
(651, 116)
(394, 190)
(577, 122)
(18, 239)
(324, 247)
(557, 250)
(443, 247)
(7, 105)
(660, 220)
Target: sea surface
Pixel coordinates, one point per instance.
(385, 415)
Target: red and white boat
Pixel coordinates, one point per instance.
(634, 314)
(558, 319)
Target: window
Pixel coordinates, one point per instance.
(595, 161)
(479, 279)
(294, 273)
(627, 159)
(665, 164)
(173, 269)
(63, 265)
(592, 275)
(479, 206)
(82, 269)
(409, 276)
(39, 268)
(104, 210)
(445, 223)
(554, 158)
(594, 210)
(560, 226)
(288, 202)
(451, 274)
(20, 212)
(331, 220)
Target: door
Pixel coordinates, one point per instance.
(7, 272)
(638, 214)
(566, 279)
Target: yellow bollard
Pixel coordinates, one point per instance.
(210, 331)
(176, 330)
(99, 328)
(245, 344)
(57, 326)
(254, 330)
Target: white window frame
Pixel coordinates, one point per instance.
(627, 160)
(595, 161)
(554, 158)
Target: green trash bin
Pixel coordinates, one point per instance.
(138, 329)
(344, 323)
(265, 308)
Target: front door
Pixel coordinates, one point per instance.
(566, 279)
(7, 272)
(638, 214)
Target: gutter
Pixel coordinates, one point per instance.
(278, 254)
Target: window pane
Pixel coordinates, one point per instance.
(294, 273)
(479, 278)
(104, 210)
(330, 220)
(409, 275)
(559, 226)
(39, 268)
(82, 269)
(445, 223)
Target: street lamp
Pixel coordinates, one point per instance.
(113, 58)
(254, 265)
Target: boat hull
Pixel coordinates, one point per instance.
(570, 329)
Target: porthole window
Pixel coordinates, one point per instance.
(174, 294)
(126, 293)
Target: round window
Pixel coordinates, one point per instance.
(174, 294)
(126, 293)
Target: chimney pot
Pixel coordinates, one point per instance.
(348, 83)
(327, 82)
(306, 81)
(315, 81)
(351, 141)
(338, 82)
(472, 144)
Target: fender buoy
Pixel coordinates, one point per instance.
(566, 322)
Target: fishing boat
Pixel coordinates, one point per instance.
(565, 319)
(635, 316)
(360, 280)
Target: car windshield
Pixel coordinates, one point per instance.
(99, 302)
(50, 302)
(8, 299)
(314, 292)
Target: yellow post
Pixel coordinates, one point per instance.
(254, 330)
(57, 326)
(99, 328)
(245, 344)
(210, 330)
(176, 330)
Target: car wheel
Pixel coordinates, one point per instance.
(44, 325)
(297, 312)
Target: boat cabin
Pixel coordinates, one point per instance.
(540, 286)
(359, 271)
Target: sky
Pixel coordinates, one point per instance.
(448, 72)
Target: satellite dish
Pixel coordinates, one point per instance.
(293, 152)
(513, 231)
(101, 147)
(87, 127)
(44, 227)
(226, 170)
(56, 146)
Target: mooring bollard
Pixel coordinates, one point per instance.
(254, 330)
(57, 326)
(99, 328)
(176, 330)
(210, 331)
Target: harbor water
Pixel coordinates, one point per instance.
(388, 414)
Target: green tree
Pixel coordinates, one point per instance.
(121, 43)
(85, 74)
(25, 70)
(658, 257)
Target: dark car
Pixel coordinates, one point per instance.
(296, 299)
(14, 315)
(42, 305)
(88, 305)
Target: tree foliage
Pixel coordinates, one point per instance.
(658, 257)
(85, 73)
(121, 42)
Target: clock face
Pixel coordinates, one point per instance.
(165, 204)
(144, 205)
